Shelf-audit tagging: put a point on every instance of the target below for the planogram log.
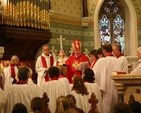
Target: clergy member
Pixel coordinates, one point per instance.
(42, 65)
(122, 59)
(74, 61)
(2, 99)
(81, 94)
(54, 88)
(92, 86)
(137, 70)
(21, 91)
(1, 78)
(104, 68)
(99, 53)
(11, 72)
(62, 58)
(93, 57)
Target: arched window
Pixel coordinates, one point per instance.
(111, 23)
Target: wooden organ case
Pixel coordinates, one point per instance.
(24, 28)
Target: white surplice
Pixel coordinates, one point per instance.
(21, 93)
(2, 77)
(137, 70)
(66, 81)
(30, 82)
(103, 71)
(123, 64)
(82, 102)
(41, 70)
(2, 99)
(94, 87)
(54, 89)
(8, 77)
(95, 69)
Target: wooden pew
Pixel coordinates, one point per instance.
(45, 100)
(93, 100)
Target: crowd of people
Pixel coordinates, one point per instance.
(68, 82)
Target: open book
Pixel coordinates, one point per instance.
(83, 65)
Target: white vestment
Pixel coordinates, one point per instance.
(82, 102)
(95, 69)
(2, 77)
(123, 64)
(21, 93)
(54, 89)
(103, 72)
(8, 77)
(30, 82)
(66, 81)
(41, 70)
(2, 99)
(94, 87)
(137, 70)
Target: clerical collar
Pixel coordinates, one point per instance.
(21, 82)
(46, 55)
(54, 78)
(120, 55)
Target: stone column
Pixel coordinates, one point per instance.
(120, 90)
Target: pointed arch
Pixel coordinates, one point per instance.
(130, 27)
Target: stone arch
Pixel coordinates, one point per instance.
(130, 27)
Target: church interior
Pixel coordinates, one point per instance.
(23, 33)
(26, 25)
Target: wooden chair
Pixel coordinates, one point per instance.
(45, 103)
(93, 100)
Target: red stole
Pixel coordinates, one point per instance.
(93, 63)
(45, 66)
(21, 82)
(120, 55)
(61, 76)
(54, 78)
(12, 71)
(57, 63)
(109, 54)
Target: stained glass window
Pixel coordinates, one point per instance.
(104, 30)
(118, 29)
(111, 23)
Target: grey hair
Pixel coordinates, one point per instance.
(118, 47)
(30, 72)
(23, 73)
(13, 58)
(139, 49)
(45, 45)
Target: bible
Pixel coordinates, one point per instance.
(83, 65)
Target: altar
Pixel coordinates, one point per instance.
(128, 87)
